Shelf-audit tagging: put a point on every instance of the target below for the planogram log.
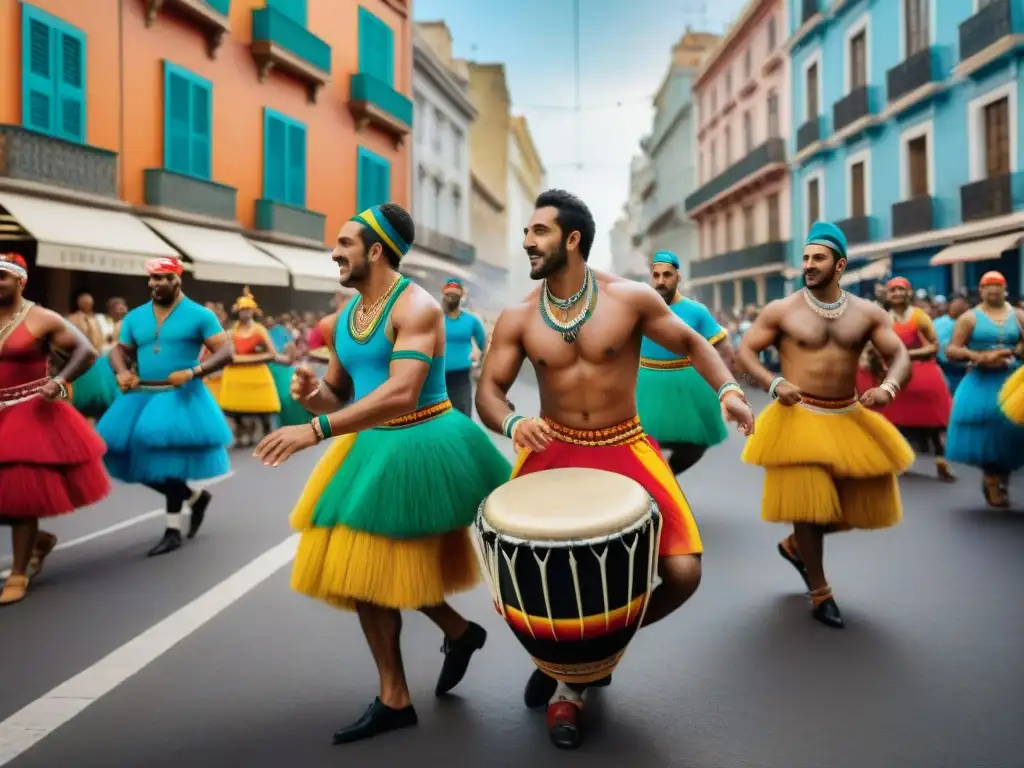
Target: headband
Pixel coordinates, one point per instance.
(453, 282)
(165, 266)
(992, 278)
(898, 282)
(827, 234)
(665, 257)
(375, 219)
(15, 264)
(246, 301)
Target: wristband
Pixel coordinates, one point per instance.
(198, 372)
(509, 424)
(889, 387)
(774, 386)
(325, 425)
(63, 387)
(727, 388)
(315, 424)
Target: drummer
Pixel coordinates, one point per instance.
(581, 329)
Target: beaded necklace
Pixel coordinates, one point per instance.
(363, 321)
(570, 329)
(830, 310)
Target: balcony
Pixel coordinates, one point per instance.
(858, 229)
(445, 246)
(280, 43)
(989, 35)
(27, 156)
(913, 73)
(374, 102)
(852, 109)
(209, 15)
(755, 256)
(272, 216)
(768, 155)
(808, 134)
(809, 9)
(911, 217)
(989, 197)
(186, 194)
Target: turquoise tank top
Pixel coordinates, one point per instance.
(368, 362)
(695, 315)
(987, 335)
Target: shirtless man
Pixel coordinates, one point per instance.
(582, 329)
(830, 463)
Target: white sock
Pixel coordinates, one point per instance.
(174, 521)
(564, 693)
(194, 498)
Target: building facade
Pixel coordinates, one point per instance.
(236, 134)
(742, 204)
(908, 136)
(526, 180)
(630, 256)
(671, 149)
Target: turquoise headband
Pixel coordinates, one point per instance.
(827, 234)
(375, 219)
(666, 257)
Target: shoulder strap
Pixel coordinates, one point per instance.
(15, 322)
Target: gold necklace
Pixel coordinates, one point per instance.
(363, 321)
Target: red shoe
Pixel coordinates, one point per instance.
(564, 724)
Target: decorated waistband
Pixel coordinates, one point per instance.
(420, 415)
(20, 393)
(829, 404)
(665, 365)
(626, 433)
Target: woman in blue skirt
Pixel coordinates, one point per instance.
(989, 339)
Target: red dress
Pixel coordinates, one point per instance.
(51, 460)
(925, 402)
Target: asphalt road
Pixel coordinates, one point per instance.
(205, 658)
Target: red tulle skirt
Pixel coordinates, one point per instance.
(924, 403)
(51, 460)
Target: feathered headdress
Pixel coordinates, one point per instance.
(246, 301)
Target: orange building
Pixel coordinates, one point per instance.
(237, 134)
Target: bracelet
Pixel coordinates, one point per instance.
(774, 386)
(315, 424)
(198, 372)
(889, 387)
(509, 424)
(729, 387)
(63, 387)
(325, 425)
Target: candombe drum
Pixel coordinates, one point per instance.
(571, 556)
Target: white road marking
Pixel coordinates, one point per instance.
(153, 513)
(27, 727)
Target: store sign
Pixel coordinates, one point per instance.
(89, 260)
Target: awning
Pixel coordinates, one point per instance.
(977, 250)
(85, 239)
(740, 274)
(311, 270)
(876, 270)
(221, 256)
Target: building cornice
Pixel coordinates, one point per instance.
(486, 194)
(426, 62)
(747, 18)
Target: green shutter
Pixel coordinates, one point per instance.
(373, 179)
(53, 75)
(376, 48)
(188, 123)
(294, 9)
(177, 98)
(383, 184)
(200, 142)
(296, 165)
(274, 141)
(37, 73)
(70, 123)
(284, 159)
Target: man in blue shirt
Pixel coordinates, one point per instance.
(944, 325)
(462, 330)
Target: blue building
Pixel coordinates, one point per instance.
(907, 136)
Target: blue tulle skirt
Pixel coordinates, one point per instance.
(96, 389)
(176, 434)
(979, 434)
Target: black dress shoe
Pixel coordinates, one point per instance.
(379, 718)
(604, 682)
(198, 513)
(827, 612)
(170, 542)
(457, 654)
(539, 689)
(797, 563)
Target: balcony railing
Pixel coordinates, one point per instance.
(989, 197)
(445, 246)
(989, 25)
(29, 156)
(281, 43)
(858, 229)
(912, 73)
(910, 217)
(272, 216)
(209, 15)
(808, 133)
(374, 102)
(851, 108)
(808, 8)
(166, 189)
(771, 152)
(746, 258)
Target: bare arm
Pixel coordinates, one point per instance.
(503, 359)
(725, 351)
(222, 352)
(890, 347)
(121, 356)
(962, 332)
(63, 335)
(757, 339)
(926, 331)
(335, 387)
(1019, 351)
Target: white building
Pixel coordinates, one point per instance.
(631, 250)
(526, 180)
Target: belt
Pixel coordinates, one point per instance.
(21, 393)
(665, 365)
(626, 433)
(829, 404)
(420, 415)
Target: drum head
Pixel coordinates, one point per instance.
(566, 504)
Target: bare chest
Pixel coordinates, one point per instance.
(606, 337)
(808, 330)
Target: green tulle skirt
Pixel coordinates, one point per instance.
(96, 389)
(292, 412)
(678, 406)
(410, 482)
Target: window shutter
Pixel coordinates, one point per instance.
(364, 180)
(386, 57)
(274, 149)
(296, 166)
(37, 74)
(70, 116)
(293, 9)
(201, 143)
(376, 48)
(383, 181)
(366, 42)
(177, 124)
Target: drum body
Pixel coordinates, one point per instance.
(572, 558)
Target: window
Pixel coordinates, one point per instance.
(748, 226)
(728, 146)
(728, 231)
(773, 115)
(813, 200)
(293, 9)
(992, 141)
(717, 231)
(457, 213)
(417, 120)
(774, 231)
(858, 193)
(858, 61)
(438, 126)
(996, 118)
(458, 142)
(728, 85)
(747, 66)
(771, 34)
(714, 102)
(714, 160)
(811, 91)
(917, 167)
(284, 159)
(188, 121)
(748, 133)
(376, 48)
(917, 25)
(53, 76)
(373, 185)
(438, 206)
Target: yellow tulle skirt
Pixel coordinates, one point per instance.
(213, 384)
(248, 389)
(1011, 398)
(342, 566)
(829, 467)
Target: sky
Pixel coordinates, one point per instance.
(624, 54)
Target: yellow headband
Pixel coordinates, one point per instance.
(382, 227)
